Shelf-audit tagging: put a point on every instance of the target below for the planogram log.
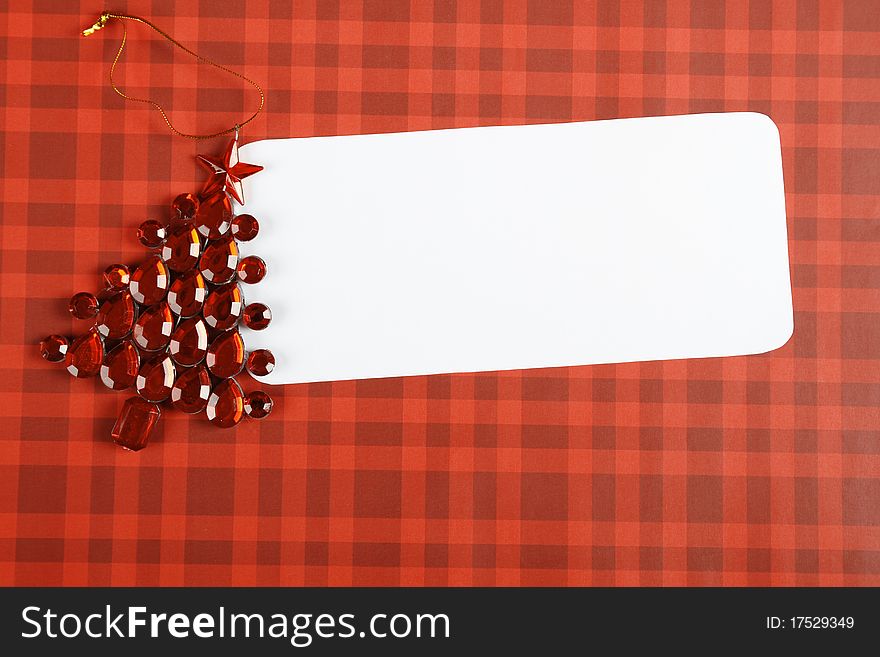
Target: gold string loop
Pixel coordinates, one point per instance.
(107, 16)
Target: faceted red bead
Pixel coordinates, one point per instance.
(117, 277)
(155, 378)
(152, 234)
(152, 331)
(116, 315)
(257, 316)
(226, 355)
(54, 348)
(226, 404)
(218, 260)
(223, 307)
(251, 269)
(214, 215)
(182, 247)
(121, 365)
(135, 423)
(189, 342)
(149, 283)
(85, 355)
(187, 293)
(184, 206)
(191, 390)
(260, 362)
(245, 227)
(83, 305)
(258, 404)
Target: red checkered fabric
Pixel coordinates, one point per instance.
(759, 470)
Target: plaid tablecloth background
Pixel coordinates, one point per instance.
(761, 470)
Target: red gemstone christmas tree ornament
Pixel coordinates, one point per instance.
(83, 305)
(170, 322)
(152, 234)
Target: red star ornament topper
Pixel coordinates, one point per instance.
(227, 172)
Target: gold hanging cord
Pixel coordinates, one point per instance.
(107, 16)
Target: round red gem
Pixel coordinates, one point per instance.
(191, 390)
(258, 404)
(83, 305)
(116, 315)
(85, 355)
(251, 269)
(223, 307)
(260, 362)
(218, 260)
(117, 277)
(152, 234)
(120, 368)
(187, 293)
(182, 247)
(226, 355)
(189, 342)
(226, 404)
(184, 206)
(155, 378)
(152, 331)
(214, 215)
(257, 316)
(54, 348)
(245, 227)
(150, 281)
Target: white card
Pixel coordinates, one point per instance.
(516, 247)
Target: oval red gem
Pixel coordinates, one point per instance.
(223, 307)
(191, 390)
(120, 368)
(251, 269)
(187, 293)
(226, 404)
(116, 316)
(83, 305)
(214, 216)
(260, 362)
(150, 281)
(152, 331)
(258, 405)
(182, 247)
(135, 423)
(152, 234)
(184, 206)
(54, 348)
(189, 342)
(257, 316)
(218, 260)
(226, 355)
(245, 227)
(155, 378)
(117, 277)
(85, 355)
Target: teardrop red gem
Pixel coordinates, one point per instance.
(152, 331)
(150, 281)
(116, 316)
(191, 390)
(120, 368)
(189, 342)
(226, 404)
(219, 260)
(182, 247)
(226, 355)
(214, 215)
(85, 355)
(155, 378)
(187, 293)
(223, 307)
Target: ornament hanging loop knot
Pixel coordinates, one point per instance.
(98, 25)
